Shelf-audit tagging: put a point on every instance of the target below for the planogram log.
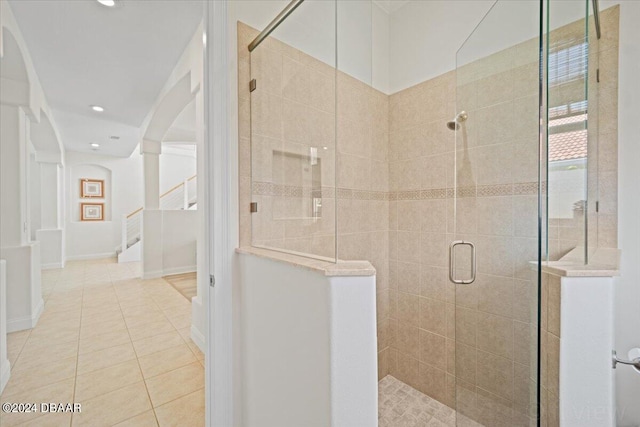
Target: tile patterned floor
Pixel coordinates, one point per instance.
(400, 405)
(116, 344)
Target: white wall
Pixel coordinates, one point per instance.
(168, 242)
(311, 338)
(429, 38)
(26, 304)
(627, 287)
(311, 28)
(425, 35)
(5, 367)
(381, 51)
(179, 235)
(100, 239)
(176, 164)
(34, 197)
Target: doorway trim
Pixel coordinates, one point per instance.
(222, 223)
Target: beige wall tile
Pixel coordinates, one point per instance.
(553, 363)
(409, 278)
(495, 294)
(408, 308)
(408, 340)
(383, 364)
(553, 310)
(433, 350)
(434, 283)
(432, 316)
(466, 362)
(466, 324)
(495, 335)
(432, 382)
(495, 374)
(407, 370)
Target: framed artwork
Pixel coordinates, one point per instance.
(91, 211)
(91, 188)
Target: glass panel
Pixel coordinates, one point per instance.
(567, 59)
(293, 134)
(495, 206)
(593, 152)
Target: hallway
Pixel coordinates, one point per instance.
(116, 344)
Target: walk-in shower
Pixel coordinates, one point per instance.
(517, 186)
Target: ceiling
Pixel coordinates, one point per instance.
(119, 58)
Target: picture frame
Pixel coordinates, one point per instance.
(91, 211)
(91, 188)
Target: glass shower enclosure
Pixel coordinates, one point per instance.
(457, 189)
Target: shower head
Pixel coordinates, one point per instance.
(455, 123)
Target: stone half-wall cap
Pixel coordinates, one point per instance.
(327, 268)
(603, 262)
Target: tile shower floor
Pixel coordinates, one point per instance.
(400, 405)
(116, 344)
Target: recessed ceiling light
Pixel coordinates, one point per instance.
(114, 137)
(95, 145)
(97, 108)
(108, 3)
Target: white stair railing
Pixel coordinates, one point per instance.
(181, 196)
(192, 190)
(130, 229)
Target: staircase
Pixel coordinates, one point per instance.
(180, 197)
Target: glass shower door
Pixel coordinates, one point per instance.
(292, 98)
(494, 233)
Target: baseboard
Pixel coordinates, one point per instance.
(52, 266)
(5, 373)
(198, 338)
(179, 270)
(26, 322)
(91, 256)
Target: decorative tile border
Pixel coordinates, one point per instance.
(495, 190)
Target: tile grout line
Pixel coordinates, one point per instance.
(105, 281)
(75, 382)
(138, 362)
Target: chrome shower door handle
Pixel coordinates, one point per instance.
(452, 262)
